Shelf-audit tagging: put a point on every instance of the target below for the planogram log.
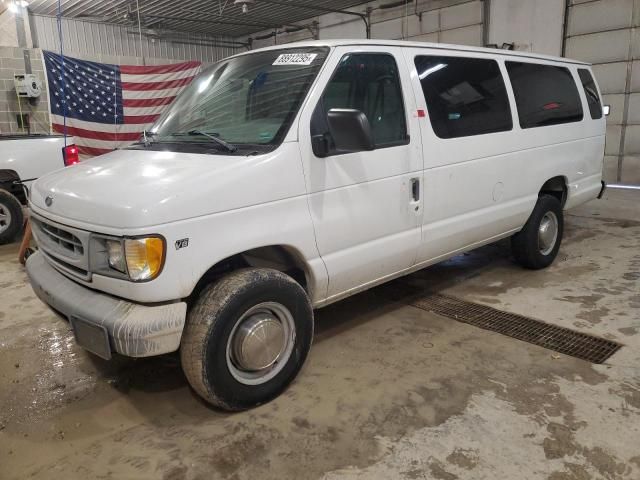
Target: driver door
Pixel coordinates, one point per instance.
(366, 206)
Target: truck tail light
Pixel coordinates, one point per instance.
(70, 155)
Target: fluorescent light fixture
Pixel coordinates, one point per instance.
(606, 109)
(15, 5)
(429, 71)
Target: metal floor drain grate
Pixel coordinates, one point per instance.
(559, 339)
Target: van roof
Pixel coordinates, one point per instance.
(435, 46)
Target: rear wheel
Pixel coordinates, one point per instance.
(11, 218)
(537, 244)
(246, 338)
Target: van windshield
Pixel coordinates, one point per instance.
(247, 100)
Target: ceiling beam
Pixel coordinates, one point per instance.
(365, 17)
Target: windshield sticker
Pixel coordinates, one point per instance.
(295, 59)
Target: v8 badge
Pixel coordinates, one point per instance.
(182, 243)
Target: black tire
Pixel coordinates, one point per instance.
(526, 245)
(11, 217)
(211, 321)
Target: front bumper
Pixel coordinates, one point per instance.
(132, 329)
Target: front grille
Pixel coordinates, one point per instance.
(577, 344)
(64, 239)
(66, 248)
(66, 267)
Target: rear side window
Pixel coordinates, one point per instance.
(464, 96)
(591, 92)
(368, 82)
(545, 94)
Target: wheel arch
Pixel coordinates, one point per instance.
(7, 182)
(284, 258)
(557, 187)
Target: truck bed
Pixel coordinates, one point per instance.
(19, 136)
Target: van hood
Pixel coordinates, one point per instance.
(139, 188)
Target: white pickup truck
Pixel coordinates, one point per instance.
(284, 179)
(23, 158)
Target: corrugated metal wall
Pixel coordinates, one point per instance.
(451, 22)
(443, 21)
(605, 33)
(105, 42)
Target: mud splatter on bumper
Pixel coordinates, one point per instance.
(134, 330)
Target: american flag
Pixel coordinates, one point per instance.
(108, 106)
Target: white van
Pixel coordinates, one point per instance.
(287, 178)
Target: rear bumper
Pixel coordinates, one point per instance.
(133, 330)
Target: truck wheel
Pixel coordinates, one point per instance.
(537, 244)
(246, 338)
(11, 218)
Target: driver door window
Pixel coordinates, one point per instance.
(368, 82)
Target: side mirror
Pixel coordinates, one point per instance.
(350, 130)
(320, 145)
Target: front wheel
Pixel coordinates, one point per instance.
(537, 244)
(246, 338)
(11, 218)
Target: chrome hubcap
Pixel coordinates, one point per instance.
(547, 233)
(260, 343)
(5, 217)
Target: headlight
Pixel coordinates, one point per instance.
(144, 257)
(139, 258)
(116, 255)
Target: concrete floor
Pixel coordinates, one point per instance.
(389, 391)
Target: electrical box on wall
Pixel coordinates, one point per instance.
(27, 85)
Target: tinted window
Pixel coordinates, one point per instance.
(370, 83)
(591, 92)
(545, 94)
(465, 96)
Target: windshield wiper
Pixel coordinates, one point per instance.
(147, 138)
(218, 140)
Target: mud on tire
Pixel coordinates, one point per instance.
(206, 348)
